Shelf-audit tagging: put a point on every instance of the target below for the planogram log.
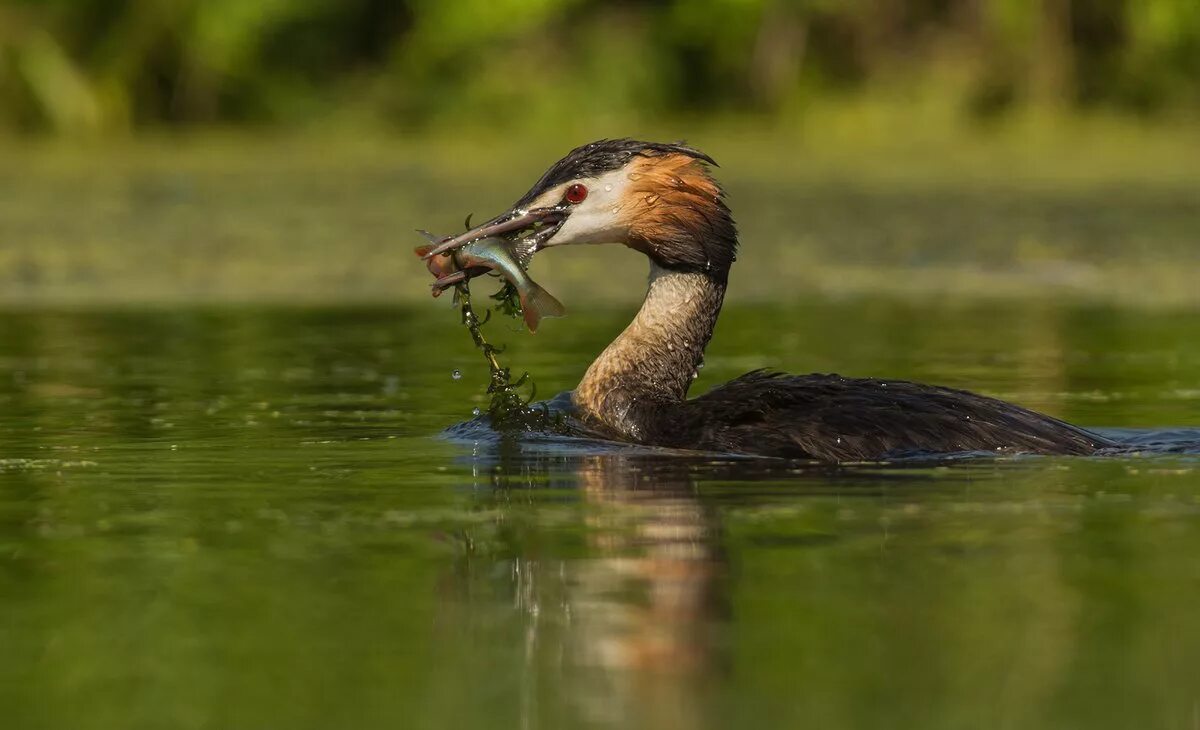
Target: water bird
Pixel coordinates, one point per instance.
(491, 254)
(662, 200)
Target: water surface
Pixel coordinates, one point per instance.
(225, 518)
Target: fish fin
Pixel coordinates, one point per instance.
(538, 303)
(423, 251)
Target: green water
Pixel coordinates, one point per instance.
(246, 518)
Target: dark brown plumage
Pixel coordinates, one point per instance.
(605, 155)
(831, 418)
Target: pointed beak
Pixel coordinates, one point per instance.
(539, 221)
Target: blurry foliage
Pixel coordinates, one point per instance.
(82, 66)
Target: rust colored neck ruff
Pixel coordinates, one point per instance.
(653, 362)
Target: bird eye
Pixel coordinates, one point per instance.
(576, 194)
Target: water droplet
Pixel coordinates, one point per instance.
(670, 347)
(652, 198)
(476, 411)
(608, 188)
(695, 374)
(700, 365)
(456, 374)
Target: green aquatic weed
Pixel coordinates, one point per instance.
(508, 409)
(508, 301)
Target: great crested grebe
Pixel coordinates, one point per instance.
(662, 200)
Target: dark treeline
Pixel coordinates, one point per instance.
(112, 65)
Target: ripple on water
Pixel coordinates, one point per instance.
(276, 490)
(20, 465)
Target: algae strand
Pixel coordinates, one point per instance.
(508, 410)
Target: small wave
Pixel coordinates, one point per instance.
(1150, 441)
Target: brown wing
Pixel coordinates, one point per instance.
(831, 418)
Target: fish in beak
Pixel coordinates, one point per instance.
(486, 255)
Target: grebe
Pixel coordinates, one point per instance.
(662, 200)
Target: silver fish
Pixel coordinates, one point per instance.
(491, 254)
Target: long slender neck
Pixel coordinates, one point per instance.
(654, 361)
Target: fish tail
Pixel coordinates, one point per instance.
(536, 303)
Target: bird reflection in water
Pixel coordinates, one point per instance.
(628, 623)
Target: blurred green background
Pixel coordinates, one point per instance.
(283, 150)
(87, 66)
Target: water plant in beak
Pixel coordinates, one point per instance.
(508, 409)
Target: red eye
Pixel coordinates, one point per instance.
(576, 194)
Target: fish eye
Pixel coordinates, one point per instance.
(576, 194)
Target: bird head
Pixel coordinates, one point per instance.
(657, 198)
